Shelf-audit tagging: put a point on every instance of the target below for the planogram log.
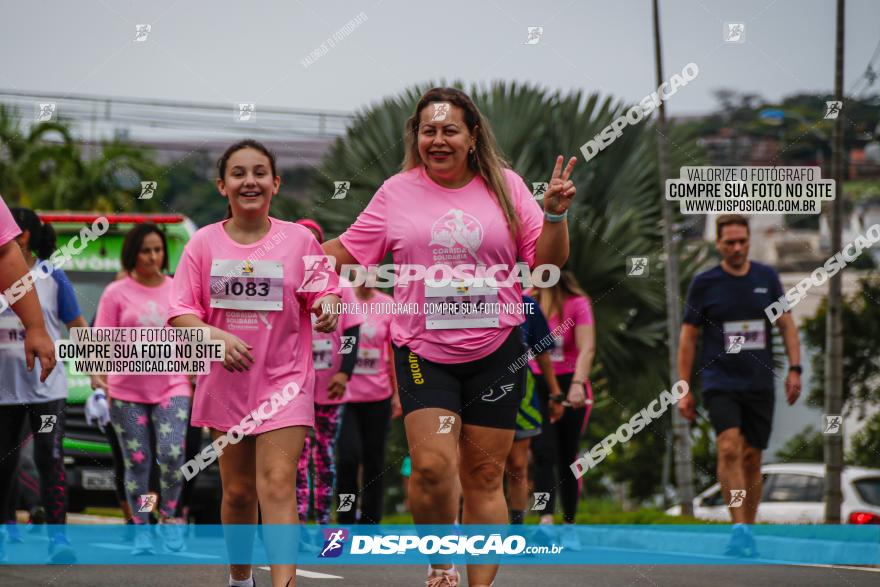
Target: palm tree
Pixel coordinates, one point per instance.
(42, 167)
(111, 181)
(26, 158)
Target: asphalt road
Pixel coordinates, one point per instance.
(389, 576)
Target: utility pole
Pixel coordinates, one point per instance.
(680, 428)
(833, 324)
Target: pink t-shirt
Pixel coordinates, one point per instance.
(564, 353)
(129, 303)
(371, 380)
(8, 226)
(423, 223)
(265, 275)
(325, 349)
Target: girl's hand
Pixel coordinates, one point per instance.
(577, 395)
(38, 345)
(325, 308)
(98, 381)
(396, 407)
(336, 389)
(561, 190)
(237, 351)
(556, 411)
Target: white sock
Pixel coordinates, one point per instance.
(449, 571)
(249, 582)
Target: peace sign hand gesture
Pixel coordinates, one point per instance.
(561, 190)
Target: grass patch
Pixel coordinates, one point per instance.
(109, 512)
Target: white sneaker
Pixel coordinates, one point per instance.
(570, 538)
(172, 532)
(143, 541)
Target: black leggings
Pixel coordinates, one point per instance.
(48, 454)
(555, 449)
(362, 437)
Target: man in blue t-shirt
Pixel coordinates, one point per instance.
(726, 304)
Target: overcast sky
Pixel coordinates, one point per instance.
(252, 51)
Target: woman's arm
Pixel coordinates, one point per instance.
(37, 342)
(333, 248)
(585, 340)
(552, 247)
(78, 322)
(396, 408)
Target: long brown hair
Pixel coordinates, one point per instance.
(552, 299)
(486, 160)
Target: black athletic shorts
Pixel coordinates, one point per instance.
(484, 392)
(750, 411)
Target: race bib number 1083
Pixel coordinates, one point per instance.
(247, 285)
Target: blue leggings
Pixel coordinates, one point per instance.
(132, 420)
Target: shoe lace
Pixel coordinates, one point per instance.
(447, 580)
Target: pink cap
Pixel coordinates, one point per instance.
(309, 223)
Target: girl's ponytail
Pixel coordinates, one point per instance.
(46, 244)
(42, 236)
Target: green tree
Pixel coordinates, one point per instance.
(861, 365)
(865, 449)
(42, 167)
(861, 348)
(27, 157)
(805, 447)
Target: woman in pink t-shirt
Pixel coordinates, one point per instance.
(371, 402)
(145, 404)
(254, 281)
(570, 317)
(457, 208)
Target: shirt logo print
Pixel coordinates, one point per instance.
(458, 228)
(152, 317)
(368, 329)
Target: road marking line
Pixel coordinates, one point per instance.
(841, 567)
(112, 546)
(310, 574)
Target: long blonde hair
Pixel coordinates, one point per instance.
(552, 299)
(486, 160)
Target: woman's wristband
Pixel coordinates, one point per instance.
(555, 218)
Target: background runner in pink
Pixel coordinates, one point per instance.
(580, 311)
(129, 303)
(324, 375)
(371, 380)
(281, 340)
(422, 222)
(8, 227)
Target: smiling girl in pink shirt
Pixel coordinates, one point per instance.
(247, 280)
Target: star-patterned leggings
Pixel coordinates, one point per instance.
(321, 450)
(169, 420)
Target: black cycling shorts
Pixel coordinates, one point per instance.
(484, 392)
(750, 411)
